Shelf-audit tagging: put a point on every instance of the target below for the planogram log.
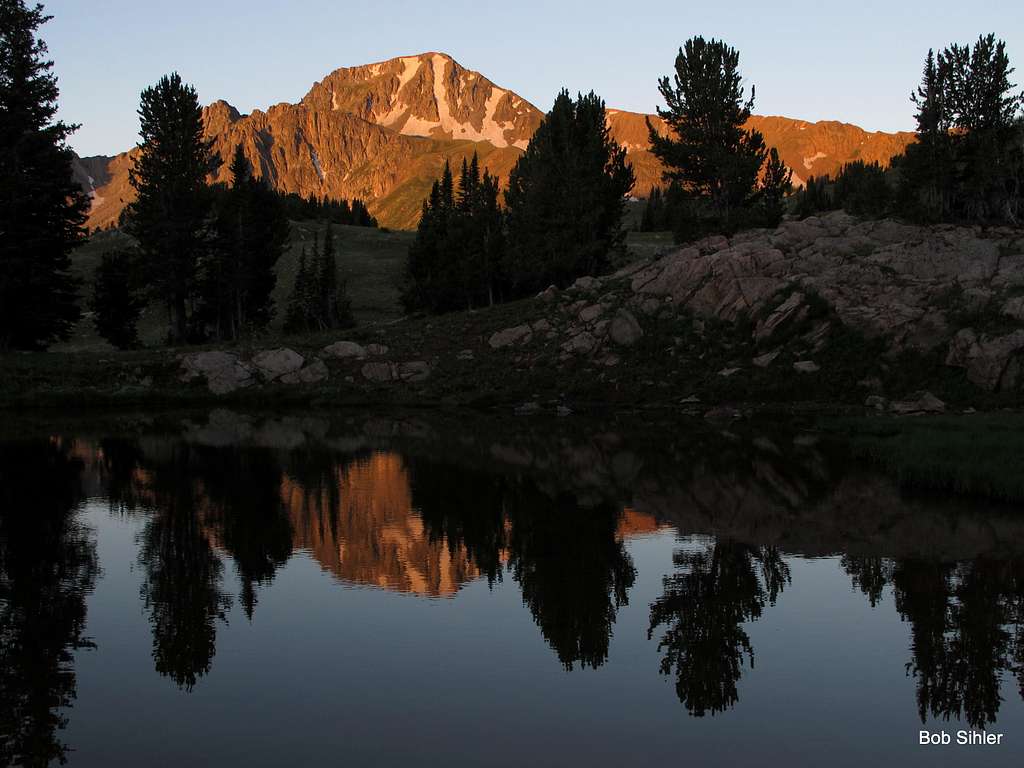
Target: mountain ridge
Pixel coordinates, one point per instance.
(383, 131)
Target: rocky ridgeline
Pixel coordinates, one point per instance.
(946, 292)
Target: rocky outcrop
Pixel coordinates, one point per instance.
(992, 362)
(226, 372)
(521, 334)
(804, 290)
(343, 350)
(274, 364)
(383, 373)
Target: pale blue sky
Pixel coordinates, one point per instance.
(851, 61)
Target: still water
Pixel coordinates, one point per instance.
(227, 589)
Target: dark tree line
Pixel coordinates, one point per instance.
(42, 210)
(968, 161)
(456, 260)
(859, 188)
(967, 164)
(210, 252)
(562, 217)
(351, 213)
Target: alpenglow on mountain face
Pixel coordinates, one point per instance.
(382, 132)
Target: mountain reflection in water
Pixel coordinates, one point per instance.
(426, 509)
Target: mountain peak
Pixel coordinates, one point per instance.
(429, 94)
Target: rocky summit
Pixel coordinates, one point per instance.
(382, 132)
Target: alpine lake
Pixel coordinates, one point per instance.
(352, 588)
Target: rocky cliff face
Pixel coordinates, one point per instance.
(382, 132)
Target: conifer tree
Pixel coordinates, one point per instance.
(42, 209)
(170, 216)
(297, 313)
(565, 198)
(319, 299)
(117, 302)
(775, 185)
(424, 262)
(252, 233)
(455, 262)
(333, 305)
(716, 163)
(968, 161)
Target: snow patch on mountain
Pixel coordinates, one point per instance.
(316, 165)
(809, 161)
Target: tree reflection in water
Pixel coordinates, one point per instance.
(713, 592)
(427, 523)
(182, 572)
(574, 572)
(47, 567)
(966, 629)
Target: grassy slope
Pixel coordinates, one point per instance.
(371, 260)
(982, 455)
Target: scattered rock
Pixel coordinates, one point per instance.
(625, 330)
(919, 403)
(520, 334)
(414, 371)
(581, 344)
(223, 371)
(527, 409)
(466, 354)
(650, 307)
(725, 373)
(591, 313)
(763, 361)
(549, 294)
(343, 350)
(541, 326)
(377, 350)
(723, 413)
(806, 366)
(563, 411)
(272, 364)
(877, 402)
(379, 372)
(313, 373)
(584, 284)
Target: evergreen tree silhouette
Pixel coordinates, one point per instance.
(565, 198)
(170, 216)
(42, 209)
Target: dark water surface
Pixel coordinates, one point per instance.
(264, 591)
